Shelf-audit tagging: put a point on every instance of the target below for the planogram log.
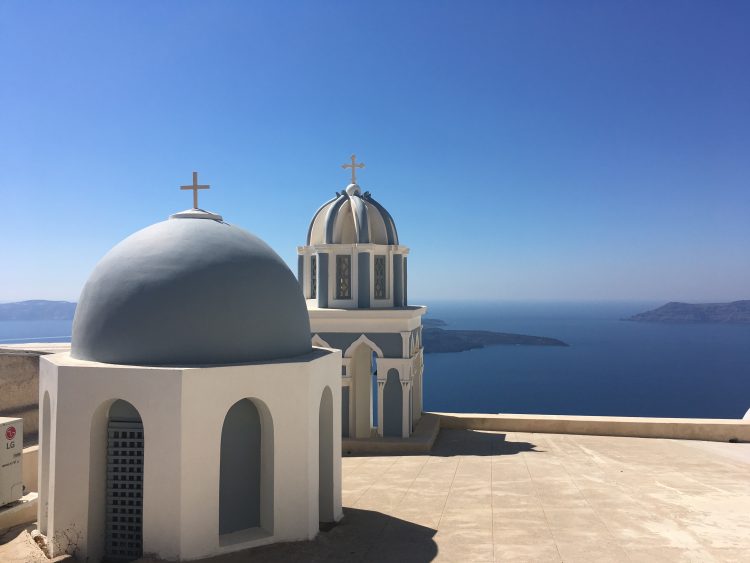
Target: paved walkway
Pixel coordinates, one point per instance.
(547, 497)
(490, 496)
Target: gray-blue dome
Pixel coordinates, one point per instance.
(352, 217)
(191, 290)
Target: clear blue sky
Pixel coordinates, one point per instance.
(527, 150)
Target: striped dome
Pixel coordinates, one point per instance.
(352, 217)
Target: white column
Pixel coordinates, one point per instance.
(416, 411)
(405, 344)
(405, 422)
(352, 411)
(381, 385)
(418, 386)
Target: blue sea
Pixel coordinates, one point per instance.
(612, 367)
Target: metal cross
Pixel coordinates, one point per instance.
(354, 165)
(195, 187)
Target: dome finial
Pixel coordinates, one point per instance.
(195, 187)
(354, 165)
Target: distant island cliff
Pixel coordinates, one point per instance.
(437, 340)
(675, 312)
(37, 310)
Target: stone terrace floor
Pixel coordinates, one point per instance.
(491, 496)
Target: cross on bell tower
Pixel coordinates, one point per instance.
(354, 165)
(195, 187)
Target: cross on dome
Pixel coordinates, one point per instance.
(354, 165)
(195, 187)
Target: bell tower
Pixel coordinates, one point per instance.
(353, 273)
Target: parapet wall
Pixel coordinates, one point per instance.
(19, 384)
(709, 429)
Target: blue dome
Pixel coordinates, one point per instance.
(191, 290)
(350, 218)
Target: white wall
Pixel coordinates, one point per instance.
(183, 412)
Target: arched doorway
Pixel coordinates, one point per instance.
(124, 494)
(392, 405)
(374, 372)
(325, 457)
(360, 366)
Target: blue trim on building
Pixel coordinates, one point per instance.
(345, 411)
(406, 285)
(359, 212)
(310, 228)
(390, 225)
(363, 284)
(322, 280)
(331, 217)
(393, 413)
(390, 343)
(398, 280)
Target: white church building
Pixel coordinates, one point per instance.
(353, 273)
(192, 416)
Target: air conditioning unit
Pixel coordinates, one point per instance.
(11, 454)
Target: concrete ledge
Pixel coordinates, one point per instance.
(420, 441)
(709, 429)
(20, 512)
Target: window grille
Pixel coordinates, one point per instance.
(343, 277)
(380, 277)
(124, 527)
(313, 276)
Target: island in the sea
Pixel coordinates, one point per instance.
(436, 339)
(37, 310)
(735, 312)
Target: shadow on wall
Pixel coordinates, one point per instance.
(362, 535)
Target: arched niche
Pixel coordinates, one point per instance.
(392, 405)
(246, 469)
(360, 369)
(116, 463)
(325, 457)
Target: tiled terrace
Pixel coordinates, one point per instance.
(493, 496)
(550, 497)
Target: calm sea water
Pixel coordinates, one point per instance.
(612, 367)
(12, 332)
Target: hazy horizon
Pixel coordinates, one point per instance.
(578, 151)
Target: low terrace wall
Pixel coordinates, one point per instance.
(19, 383)
(709, 429)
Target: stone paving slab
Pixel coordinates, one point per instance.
(508, 496)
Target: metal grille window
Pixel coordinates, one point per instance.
(343, 277)
(380, 277)
(124, 536)
(313, 276)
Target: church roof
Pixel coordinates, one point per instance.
(352, 217)
(192, 290)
